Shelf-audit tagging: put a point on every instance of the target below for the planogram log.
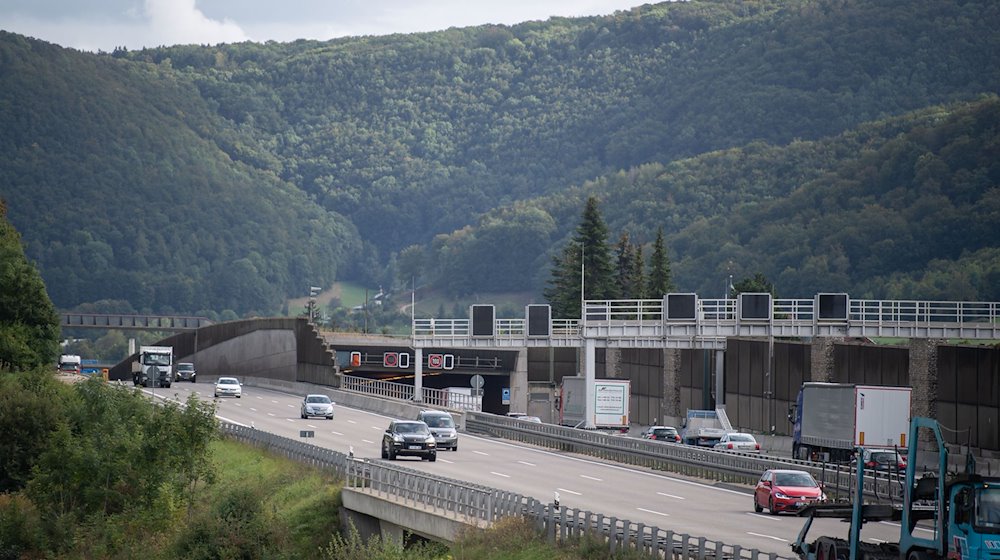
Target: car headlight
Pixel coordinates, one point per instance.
(430, 440)
(780, 495)
(397, 439)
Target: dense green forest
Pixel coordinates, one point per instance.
(829, 144)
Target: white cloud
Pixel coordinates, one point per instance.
(173, 22)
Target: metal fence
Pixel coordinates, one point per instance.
(482, 506)
(839, 479)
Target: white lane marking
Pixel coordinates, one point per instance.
(238, 404)
(311, 426)
(672, 496)
(290, 419)
(654, 512)
(897, 526)
(364, 440)
(482, 453)
(767, 536)
(569, 491)
(376, 428)
(340, 434)
(592, 478)
(527, 463)
(351, 422)
(500, 474)
(270, 414)
(762, 516)
(274, 402)
(291, 406)
(446, 461)
(224, 419)
(253, 409)
(261, 398)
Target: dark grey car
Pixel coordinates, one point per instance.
(408, 438)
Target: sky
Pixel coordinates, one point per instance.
(103, 25)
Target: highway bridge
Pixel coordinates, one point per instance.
(289, 355)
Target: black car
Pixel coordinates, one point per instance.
(408, 438)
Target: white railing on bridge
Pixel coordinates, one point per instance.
(443, 398)
(646, 323)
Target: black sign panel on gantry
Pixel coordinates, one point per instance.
(755, 307)
(483, 318)
(832, 307)
(539, 319)
(680, 307)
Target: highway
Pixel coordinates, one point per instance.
(685, 505)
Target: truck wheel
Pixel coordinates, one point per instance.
(918, 555)
(756, 506)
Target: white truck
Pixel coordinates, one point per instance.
(830, 420)
(69, 363)
(153, 366)
(705, 427)
(611, 403)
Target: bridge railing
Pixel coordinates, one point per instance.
(482, 505)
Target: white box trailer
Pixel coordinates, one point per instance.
(831, 419)
(611, 403)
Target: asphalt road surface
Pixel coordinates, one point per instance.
(685, 505)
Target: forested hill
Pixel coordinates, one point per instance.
(413, 136)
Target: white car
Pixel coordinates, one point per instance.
(317, 405)
(744, 443)
(228, 387)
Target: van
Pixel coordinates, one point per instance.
(442, 427)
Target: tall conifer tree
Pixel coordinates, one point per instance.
(660, 281)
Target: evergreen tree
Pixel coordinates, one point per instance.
(660, 281)
(639, 273)
(563, 291)
(29, 325)
(591, 245)
(625, 278)
(598, 270)
(756, 284)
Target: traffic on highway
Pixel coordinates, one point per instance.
(717, 511)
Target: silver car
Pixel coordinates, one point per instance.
(228, 387)
(442, 427)
(317, 405)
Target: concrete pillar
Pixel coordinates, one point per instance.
(391, 532)
(589, 377)
(923, 377)
(418, 375)
(613, 363)
(671, 404)
(519, 383)
(821, 358)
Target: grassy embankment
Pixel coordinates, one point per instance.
(282, 509)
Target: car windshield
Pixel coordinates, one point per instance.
(228, 381)
(185, 367)
(420, 428)
(439, 421)
(884, 457)
(318, 399)
(662, 432)
(801, 479)
(741, 437)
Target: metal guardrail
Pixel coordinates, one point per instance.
(482, 505)
(683, 459)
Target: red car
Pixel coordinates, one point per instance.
(786, 490)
